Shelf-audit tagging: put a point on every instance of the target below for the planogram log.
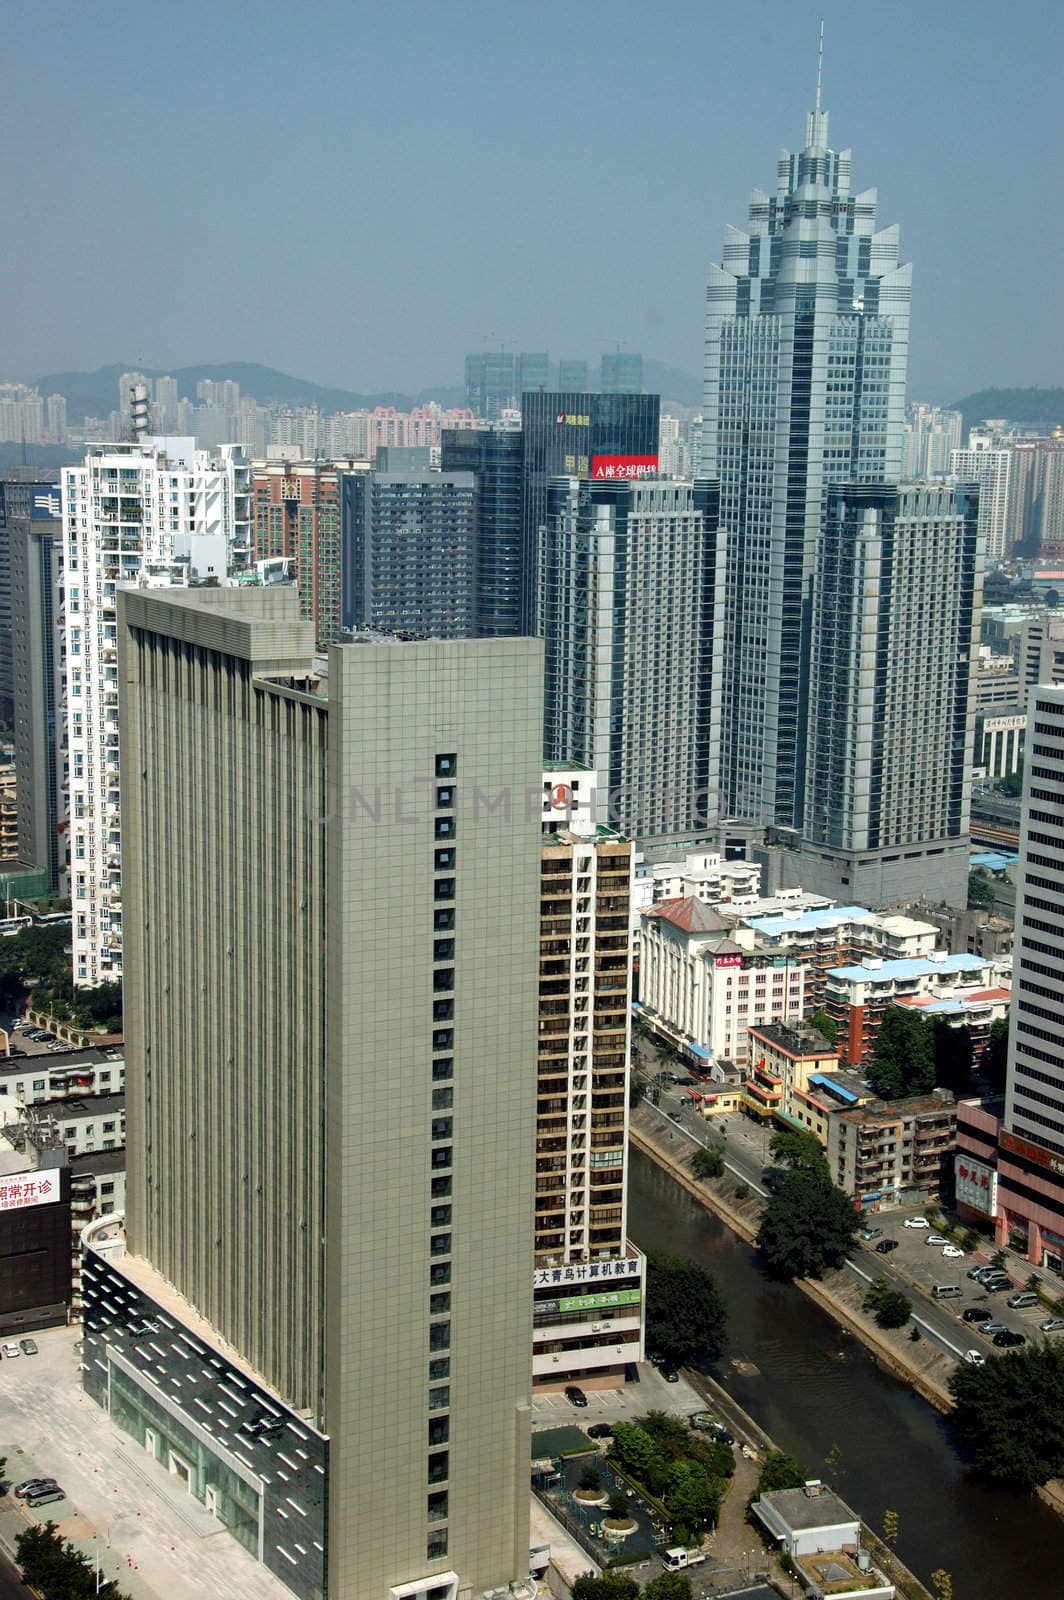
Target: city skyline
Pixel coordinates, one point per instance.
(547, 173)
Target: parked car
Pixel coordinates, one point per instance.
(29, 1347)
(10, 1350)
(992, 1329)
(936, 1239)
(975, 1272)
(600, 1430)
(575, 1396)
(917, 1222)
(720, 1433)
(44, 1497)
(1052, 1324)
(885, 1246)
(32, 1485)
(953, 1253)
(1007, 1340)
(871, 1233)
(976, 1314)
(974, 1359)
(670, 1374)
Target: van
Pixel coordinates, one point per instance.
(1024, 1298)
(677, 1558)
(946, 1291)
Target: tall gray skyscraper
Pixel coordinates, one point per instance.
(807, 331)
(628, 574)
(891, 715)
(336, 1270)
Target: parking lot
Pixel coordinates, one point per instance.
(149, 1533)
(651, 1393)
(922, 1265)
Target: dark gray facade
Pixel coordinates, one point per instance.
(495, 457)
(409, 565)
(34, 545)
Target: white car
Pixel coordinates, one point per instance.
(10, 1350)
(917, 1222)
(953, 1253)
(975, 1358)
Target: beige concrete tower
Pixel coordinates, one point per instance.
(332, 880)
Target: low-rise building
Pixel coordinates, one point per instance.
(823, 937)
(856, 996)
(704, 981)
(782, 1059)
(825, 1094)
(975, 1009)
(707, 876)
(68, 1074)
(887, 1153)
(822, 1536)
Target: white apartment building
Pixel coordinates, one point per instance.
(989, 468)
(705, 875)
(705, 981)
(156, 512)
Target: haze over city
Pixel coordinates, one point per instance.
(360, 195)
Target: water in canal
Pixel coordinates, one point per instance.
(818, 1393)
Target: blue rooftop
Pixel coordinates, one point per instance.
(912, 967)
(825, 1080)
(805, 921)
(993, 860)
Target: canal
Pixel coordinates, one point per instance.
(818, 1393)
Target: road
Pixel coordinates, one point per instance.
(912, 1267)
(10, 1586)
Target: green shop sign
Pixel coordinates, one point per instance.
(592, 1302)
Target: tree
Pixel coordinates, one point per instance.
(1009, 1416)
(618, 1506)
(996, 1053)
(636, 1453)
(826, 1026)
(708, 1162)
(692, 1498)
(793, 1147)
(590, 1480)
(780, 1471)
(980, 888)
(903, 1061)
(891, 1308)
(953, 1056)
(685, 1313)
(807, 1226)
(611, 1586)
(56, 1570)
(668, 1586)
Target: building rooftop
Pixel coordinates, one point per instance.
(806, 920)
(99, 1161)
(841, 1085)
(895, 1110)
(90, 1105)
(802, 1510)
(690, 916)
(908, 967)
(929, 1006)
(799, 1042)
(45, 1061)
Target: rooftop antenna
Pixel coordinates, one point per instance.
(819, 65)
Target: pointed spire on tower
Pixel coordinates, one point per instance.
(816, 123)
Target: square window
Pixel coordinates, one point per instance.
(443, 950)
(436, 1546)
(442, 1010)
(440, 1367)
(443, 1069)
(444, 859)
(445, 828)
(439, 1303)
(442, 1127)
(440, 1244)
(444, 797)
(444, 889)
(441, 1188)
(442, 1099)
(439, 1272)
(439, 1430)
(441, 1216)
(443, 978)
(439, 1335)
(447, 766)
(442, 1038)
(443, 918)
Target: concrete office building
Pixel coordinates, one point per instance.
(345, 1382)
(490, 383)
(155, 512)
(891, 731)
(410, 558)
(32, 511)
(589, 1281)
(1036, 496)
(628, 577)
(930, 434)
(990, 470)
(1031, 1155)
(807, 333)
(572, 375)
(622, 373)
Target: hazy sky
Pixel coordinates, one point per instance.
(359, 194)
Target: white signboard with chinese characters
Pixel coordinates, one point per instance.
(587, 1272)
(976, 1185)
(29, 1189)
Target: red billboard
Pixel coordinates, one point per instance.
(613, 467)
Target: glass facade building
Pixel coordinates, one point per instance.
(564, 432)
(494, 456)
(807, 328)
(622, 373)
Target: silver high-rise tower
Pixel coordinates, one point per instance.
(807, 332)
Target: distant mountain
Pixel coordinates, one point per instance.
(1029, 408)
(95, 394)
